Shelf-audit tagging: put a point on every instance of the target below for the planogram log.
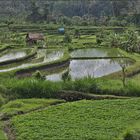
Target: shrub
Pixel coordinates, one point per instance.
(2, 101)
(114, 40)
(132, 135)
(101, 35)
(77, 33)
(70, 47)
(38, 75)
(66, 76)
(67, 38)
(131, 41)
(85, 85)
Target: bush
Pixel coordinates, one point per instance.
(131, 41)
(67, 38)
(83, 85)
(132, 135)
(70, 47)
(114, 40)
(66, 76)
(77, 33)
(101, 35)
(2, 100)
(38, 75)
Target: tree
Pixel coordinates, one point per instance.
(114, 40)
(46, 12)
(76, 20)
(35, 16)
(101, 35)
(123, 64)
(9, 22)
(124, 75)
(67, 38)
(118, 7)
(77, 33)
(130, 41)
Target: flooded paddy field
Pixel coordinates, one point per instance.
(93, 68)
(96, 52)
(78, 68)
(13, 54)
(43, 56)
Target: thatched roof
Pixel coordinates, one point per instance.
(35, 36)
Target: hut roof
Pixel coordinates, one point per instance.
(35, 36)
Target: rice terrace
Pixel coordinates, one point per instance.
(69, 70)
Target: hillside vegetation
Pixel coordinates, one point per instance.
(100, 120)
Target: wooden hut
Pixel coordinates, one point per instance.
(32, 38)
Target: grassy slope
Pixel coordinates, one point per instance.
(2, 135)
(25, 105)
(115, 87)
(100, 120)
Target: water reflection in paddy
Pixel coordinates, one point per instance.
(96, 52)
(13, 54)
(48, 55)
(94, 68)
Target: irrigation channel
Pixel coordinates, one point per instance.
(94, 62)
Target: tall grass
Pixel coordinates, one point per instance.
(34, 88)
(28, 88)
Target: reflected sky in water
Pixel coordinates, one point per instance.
(96, 52)
(94, 68)
(49, 56)
(13, 54)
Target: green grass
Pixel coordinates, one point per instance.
(56, 41)
(2, 134)
(136, 77)
(115, 87)
(33, 88)
(25, 105)
(100, 120)
(133, 133)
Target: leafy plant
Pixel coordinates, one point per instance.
(39, 75)
(77, 33)
(66, 76)
(106, 120)
(67, 38)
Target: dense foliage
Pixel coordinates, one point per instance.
(128, 40)
(100, 120)
(33, 88)
(81, 12)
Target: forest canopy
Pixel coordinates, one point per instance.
(96, 11)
